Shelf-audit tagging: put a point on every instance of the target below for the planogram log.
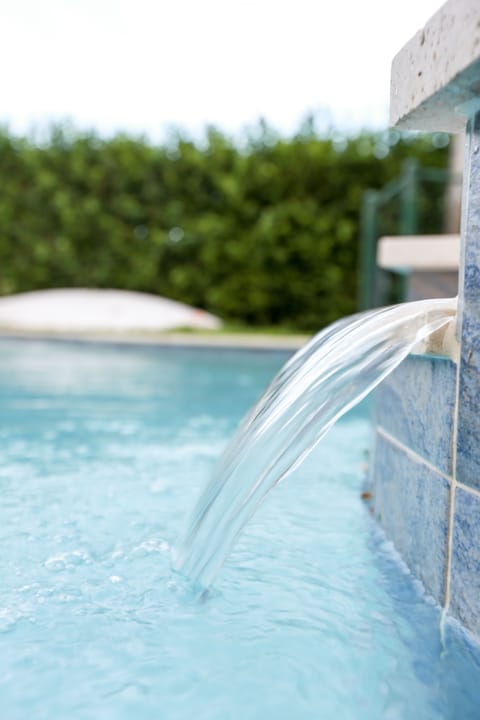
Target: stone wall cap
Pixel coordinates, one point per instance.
(419, 252)
(435, 80)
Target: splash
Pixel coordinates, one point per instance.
(324, 380)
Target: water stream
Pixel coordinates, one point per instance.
(326, 378)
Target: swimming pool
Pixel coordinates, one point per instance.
(104, 451)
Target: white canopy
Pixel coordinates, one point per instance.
(79, 310)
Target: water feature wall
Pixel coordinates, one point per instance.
(425, 468)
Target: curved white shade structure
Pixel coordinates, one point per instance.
(77, 310)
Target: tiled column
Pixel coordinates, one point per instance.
(468, 454)
(426, 468)
(463, 579)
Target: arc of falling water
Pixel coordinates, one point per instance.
(319, 384)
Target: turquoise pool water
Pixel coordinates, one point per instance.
(104, 451)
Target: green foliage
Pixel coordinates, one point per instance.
(265, 233)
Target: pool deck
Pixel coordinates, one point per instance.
(220, 340)
(123, 317)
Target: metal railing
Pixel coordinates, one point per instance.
(412, 198)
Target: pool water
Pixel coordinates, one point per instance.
(104, 452)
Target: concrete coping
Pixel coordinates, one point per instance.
(168, 339)
(435, 80)
(124, 317)
(422, 253)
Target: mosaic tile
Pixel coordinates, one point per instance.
(465, 573)
(411, 502)
(468, 446)
(416, 405)
(468, 441)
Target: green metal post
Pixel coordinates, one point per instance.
(368, 250)
(408, 215)
(409, 198)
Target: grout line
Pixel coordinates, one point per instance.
(451, 479)
(414, 455)
(453, 487)
(451, 509)
(464, 236)
(467, 488)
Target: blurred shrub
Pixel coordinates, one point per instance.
(264, 232)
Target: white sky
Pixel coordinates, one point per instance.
(144, 65)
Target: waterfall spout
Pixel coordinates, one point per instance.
(327, 377)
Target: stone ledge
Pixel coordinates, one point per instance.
(437, 74)
(418, 252)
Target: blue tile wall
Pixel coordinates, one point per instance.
(465, 573)
(411, 502)
(416, 405)
(468, 444)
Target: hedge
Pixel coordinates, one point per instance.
(263, 232)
